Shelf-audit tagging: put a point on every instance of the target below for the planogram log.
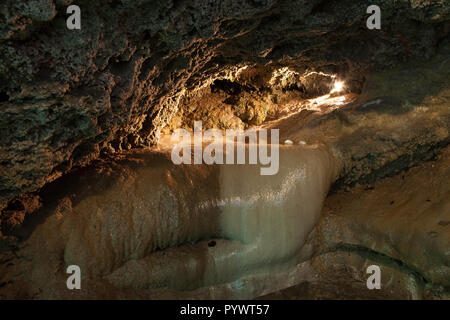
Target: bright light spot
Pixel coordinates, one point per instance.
(326, 100)
(338, 86)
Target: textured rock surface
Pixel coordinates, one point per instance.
(401, 224)
(406, 218)
(68, 96)
(343, 276)
(401, 118)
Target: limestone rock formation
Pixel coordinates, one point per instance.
(82, 110)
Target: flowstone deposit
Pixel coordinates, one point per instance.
(140, 224)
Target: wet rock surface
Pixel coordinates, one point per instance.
(399, 223)
(144, 223)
